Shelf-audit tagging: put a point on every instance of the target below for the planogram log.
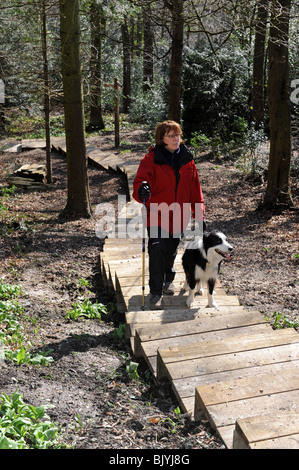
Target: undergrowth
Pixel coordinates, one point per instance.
(24, 426)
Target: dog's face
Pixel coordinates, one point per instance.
(215, 244)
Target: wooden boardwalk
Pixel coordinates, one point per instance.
(225, 365)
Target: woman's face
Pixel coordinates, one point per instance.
(172, 140)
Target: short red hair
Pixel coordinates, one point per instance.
(164, 128)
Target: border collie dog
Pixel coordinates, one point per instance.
(201, 262)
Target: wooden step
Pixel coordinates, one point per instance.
(29, 144)
(149, 350)
(216, 370)
(225, 402)
(146, 318)
(160, 318)
(278, 430)
(184, 388)
(131, 304)
(205, 349)
(149, 339)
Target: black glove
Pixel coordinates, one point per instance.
(144, 191)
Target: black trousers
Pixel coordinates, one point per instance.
(162, 252)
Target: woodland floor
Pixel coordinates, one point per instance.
(96, 403)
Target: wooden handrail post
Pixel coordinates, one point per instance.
(116, 118)
(116, 87)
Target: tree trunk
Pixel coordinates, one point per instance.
(278, 191)
(46, 91)
(148, 61)
(78, 202)
(175, 80)
(258, 89)
(127, 59)
(95, 119)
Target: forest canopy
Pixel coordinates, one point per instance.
(203, 63)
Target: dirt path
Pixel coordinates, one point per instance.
(97, 404)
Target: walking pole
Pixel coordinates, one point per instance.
(143, 252)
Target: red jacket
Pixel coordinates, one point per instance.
(175, 188)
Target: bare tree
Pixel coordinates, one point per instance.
(258, 88)
(148, 59)
(278, 186)
(96, 20)
(46, 90)
(176, 63)
(127, 63)
(78, 201)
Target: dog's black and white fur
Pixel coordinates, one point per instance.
(201, 262)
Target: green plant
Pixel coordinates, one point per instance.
(282, 321)
(22, 356)
(86, 309)
(200, 142)
(214, 90)
(6, 192)
(178, 412)
(120, 331)
(24, 426)
(12, 331)
(131, 370)
(9, 291)
(84, 282)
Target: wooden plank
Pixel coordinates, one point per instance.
(11, 148)
(223, 416)
(33, 144)
(134, 289)
(217, 347)
(158, 317)
(180, 301)
(242, 388)
(101, 158)
(200, 325)
(58, 142)
(282, 443)
(186, 388)
(129, 279)
(215, 368)
(119, 242)
(278, 430)
(131, 286)
(196, 351)
(124, 246)
(149, 349)
(187, 405)
(142, 319)
(186, 395)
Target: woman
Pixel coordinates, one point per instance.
(167, 183)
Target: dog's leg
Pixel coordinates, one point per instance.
(211, 301)
(191, 286)
(190, 298)
(200, 288)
